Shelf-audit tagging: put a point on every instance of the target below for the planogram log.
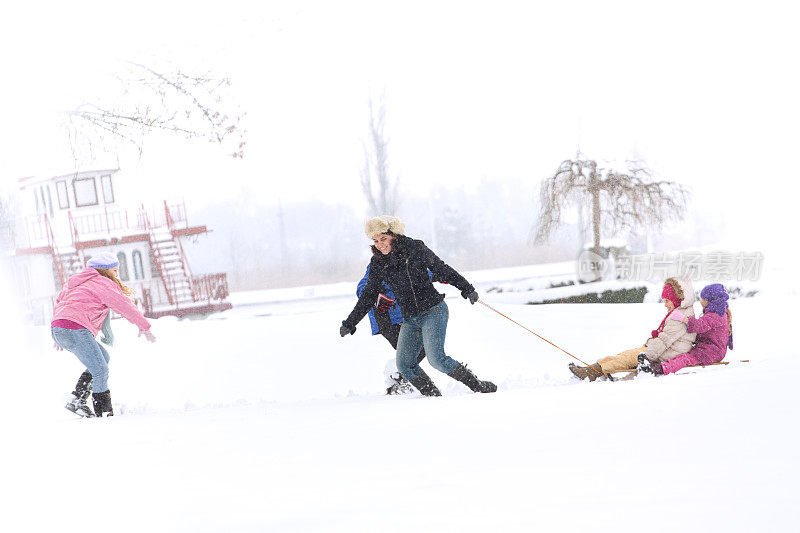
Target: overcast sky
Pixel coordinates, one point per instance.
(706, 93)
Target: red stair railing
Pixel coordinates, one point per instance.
(76, 239)
(169, 285)
(57, 262)
(171, 226)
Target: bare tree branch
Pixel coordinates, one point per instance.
(618, 201)
(379, 188)
(186, 105)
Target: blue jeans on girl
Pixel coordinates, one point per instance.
(95, 358)
(425, 329)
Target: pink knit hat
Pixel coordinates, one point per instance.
(668, 293)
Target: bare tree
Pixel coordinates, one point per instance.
(379, 188)
(191, 106)
(617, 201)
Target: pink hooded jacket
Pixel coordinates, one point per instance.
(87, 297)
(712, 337)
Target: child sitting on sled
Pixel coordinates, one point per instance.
(669, 340)
(714, 334)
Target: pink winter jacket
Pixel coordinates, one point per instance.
(87, 297)
(712, 337)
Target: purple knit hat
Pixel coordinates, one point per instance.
(717, 298)
(105, 261)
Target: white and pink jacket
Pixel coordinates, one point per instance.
(87, 298)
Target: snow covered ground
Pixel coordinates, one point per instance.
(264, 419)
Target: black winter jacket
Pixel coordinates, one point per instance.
(405, 270)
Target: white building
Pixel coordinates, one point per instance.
(65, 220)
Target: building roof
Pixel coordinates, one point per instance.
(36, 180)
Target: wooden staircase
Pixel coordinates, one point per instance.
(71, 263)
(183, 293)
(172, 266)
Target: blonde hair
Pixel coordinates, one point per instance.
(106, 273)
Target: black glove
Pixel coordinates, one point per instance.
(471, 296)
(345, 329)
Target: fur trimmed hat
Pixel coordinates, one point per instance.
(382, 224)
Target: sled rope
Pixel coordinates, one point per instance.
(545, 340)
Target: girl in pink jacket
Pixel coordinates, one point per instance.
(81, 307)
(714, 334)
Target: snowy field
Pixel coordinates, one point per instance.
(264, 419)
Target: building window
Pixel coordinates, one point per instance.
(41, 202)
(138, 267)
(85, 192)
(123, 266)
(63, 194)
(108, 190)
(50, 202)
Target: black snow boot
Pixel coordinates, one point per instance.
(424, 384)
(83, 389)
(400, 385)
(651, 368)
(102, 403)
(465, 376)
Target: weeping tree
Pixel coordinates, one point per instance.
(617, 201)
(380, 189)
(189, 105)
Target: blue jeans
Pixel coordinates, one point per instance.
(425, 329)
(81, 342)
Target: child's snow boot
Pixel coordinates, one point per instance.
(464, 375)
(651, 368)
(102, 403)
(424, 384)
(83, 389)
(593, 373)
(583, 372)
(578, 371)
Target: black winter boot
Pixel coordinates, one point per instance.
(83, 389)
(400, 385)
(424, 384)
(465, 376)
(651, 368)
(102, 403)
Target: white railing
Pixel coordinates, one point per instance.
(108, 221)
